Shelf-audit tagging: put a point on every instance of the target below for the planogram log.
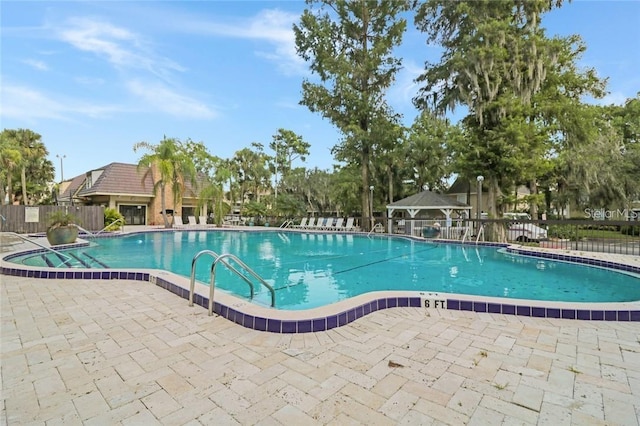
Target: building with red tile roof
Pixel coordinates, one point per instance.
(130, 190)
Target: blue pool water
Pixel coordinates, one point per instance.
(311, 270)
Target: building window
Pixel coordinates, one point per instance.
(188, 211)
(133, 215)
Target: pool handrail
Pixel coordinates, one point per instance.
(480, 234)
(376, 227)
(222, 258)
(192, 284)
(244, 266)
(112, 223)
(466, 232)
(86, 231)
(286, 224)
(56, 252)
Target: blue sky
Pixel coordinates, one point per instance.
(94, 78)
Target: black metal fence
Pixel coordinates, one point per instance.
(606, 236)
(622, 237)
(34, 219)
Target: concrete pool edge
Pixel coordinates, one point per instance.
(344, 312)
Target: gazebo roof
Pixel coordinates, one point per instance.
(427, 200)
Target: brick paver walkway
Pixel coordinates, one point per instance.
(121, 352)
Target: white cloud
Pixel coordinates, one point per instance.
(39, 65)
(120, 47)
(29, 105)
(100, 38)
(162, 98)
(272, 26)
(136, 59)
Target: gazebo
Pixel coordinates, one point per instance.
(427, 201)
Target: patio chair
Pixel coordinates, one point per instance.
(192, 221)
(328, 224)
(312, 223)
(338, 225)
(302, 224)
(349, 226)
(177, 221)
(320, 224)
(202, 220)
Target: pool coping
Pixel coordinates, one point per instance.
(324, 318)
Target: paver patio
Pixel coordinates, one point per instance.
(125, 352)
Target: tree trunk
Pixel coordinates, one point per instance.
(390, 177)
(534, 204)
(23, 176)
(9, 193)
(163, 206)
(497, 231)
(365, 198)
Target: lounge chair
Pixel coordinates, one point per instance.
(328, 223)
(349, 226)
(338, 225)
(177, 221)
(202, 220)
(320, 224)
(192, 221)
(311, 224)
(302, 225)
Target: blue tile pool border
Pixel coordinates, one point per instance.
(307, 325)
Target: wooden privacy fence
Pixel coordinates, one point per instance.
(35, 219)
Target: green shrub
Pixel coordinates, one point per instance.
(632, 230)
(111, 216)
(563, 232)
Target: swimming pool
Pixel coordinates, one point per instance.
(310, 270)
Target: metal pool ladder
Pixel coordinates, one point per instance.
(221, 258)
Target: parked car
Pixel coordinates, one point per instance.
(523, 232)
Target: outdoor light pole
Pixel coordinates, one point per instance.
(478, 213)
(371, 204)
(61, 169)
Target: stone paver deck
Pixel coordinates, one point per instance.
(125, 352)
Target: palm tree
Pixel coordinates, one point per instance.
(10, 159)
(33, 150)
(174, 165)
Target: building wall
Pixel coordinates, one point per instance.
(155, 207)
